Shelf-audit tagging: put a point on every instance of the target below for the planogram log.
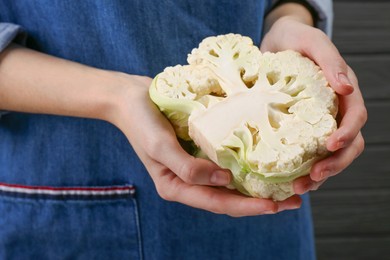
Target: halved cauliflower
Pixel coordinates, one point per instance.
(264, 116)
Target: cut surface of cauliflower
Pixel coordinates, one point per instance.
(264, 116)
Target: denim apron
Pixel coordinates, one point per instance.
(73, 188)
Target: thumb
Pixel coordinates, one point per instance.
(190, 169)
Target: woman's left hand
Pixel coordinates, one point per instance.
(346, 142)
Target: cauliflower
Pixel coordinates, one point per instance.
(264, 116)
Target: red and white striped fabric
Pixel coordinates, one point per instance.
(67, 192)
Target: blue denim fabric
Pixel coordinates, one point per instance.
(136, 37)
(68, 229)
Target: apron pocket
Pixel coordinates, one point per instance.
(69, 222)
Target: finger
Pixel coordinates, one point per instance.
(164, 148)
(305, 184)
(354, 116)
(350, 126)
(325, 54)
(218, 200)
(213, 199)
(338, 161)
(292, 202)
(316, 185)
(190, 169)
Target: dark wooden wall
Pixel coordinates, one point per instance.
(352, 210)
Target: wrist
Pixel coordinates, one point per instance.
(289, 11)
(126, 92)
(107, 95)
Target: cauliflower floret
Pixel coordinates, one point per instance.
(232, 58)
(187, 82)
(181, 91)
(266, 117)
(258, 188)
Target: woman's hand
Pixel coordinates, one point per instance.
(347, 141)
(177, 175)
(34, 82)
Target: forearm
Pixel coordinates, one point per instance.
(37, 83)
(293, 11)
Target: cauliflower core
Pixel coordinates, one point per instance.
(264, 116)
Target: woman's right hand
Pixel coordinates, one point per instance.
(177, 175)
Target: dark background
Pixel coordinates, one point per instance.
(352, 210)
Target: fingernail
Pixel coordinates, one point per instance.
(220, 178)
(344, 80)
(324, 174)
(290, 206)
(295, 206)
(272, 211)
(340, 144)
